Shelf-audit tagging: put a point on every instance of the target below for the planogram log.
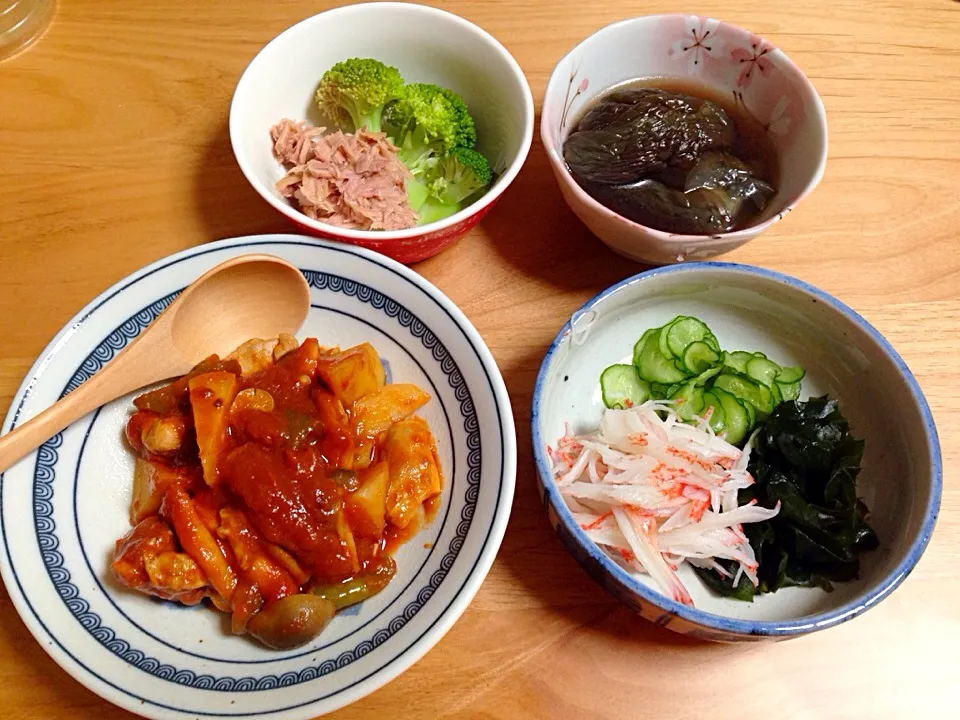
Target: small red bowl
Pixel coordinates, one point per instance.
(426, 45)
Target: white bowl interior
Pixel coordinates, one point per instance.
(425, 44)
(791, 326)
(653, 47)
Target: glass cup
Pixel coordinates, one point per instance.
(22, 22)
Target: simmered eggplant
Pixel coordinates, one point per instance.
(635, 133)
(717, 191)
(671, 160)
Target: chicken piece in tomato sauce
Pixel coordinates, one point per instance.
(276, 483)
(147, 559)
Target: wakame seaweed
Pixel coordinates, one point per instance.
(805, 458)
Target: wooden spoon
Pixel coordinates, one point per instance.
(251, 296)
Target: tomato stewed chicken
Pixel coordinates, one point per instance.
(275, 483)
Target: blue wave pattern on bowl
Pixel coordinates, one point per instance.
(663, 611)
(45, 474)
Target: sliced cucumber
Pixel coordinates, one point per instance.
(682, 361)
(789, 391)
(638, 347)
(763, 370)
(777, 393)
(790, 375)
(768, 406)
(664, 347)
(717, 415)
(689, 401)
(622, 387)
(673, 389)
(683, 331)
(748, 390)
(653, 366)
(704, 377)
(739, 386)
(737, 360)
(751, 413)
(660, 391)
(699, 357)
(736, 419)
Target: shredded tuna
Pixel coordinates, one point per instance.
(349, 180)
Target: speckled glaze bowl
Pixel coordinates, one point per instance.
(757, 76)
(793, 323)
(427, 45)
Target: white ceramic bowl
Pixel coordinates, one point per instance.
(733, 62)
(63, 507)
(427, 45)
(793, 323)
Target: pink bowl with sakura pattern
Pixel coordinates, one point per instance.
(756, 75)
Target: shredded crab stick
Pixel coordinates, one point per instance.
(655, 493)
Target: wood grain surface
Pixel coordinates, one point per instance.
(114, 153)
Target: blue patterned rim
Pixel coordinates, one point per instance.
(48, 454)
(588, 553)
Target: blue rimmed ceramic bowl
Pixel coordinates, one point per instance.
(63, 507)
(793, 323)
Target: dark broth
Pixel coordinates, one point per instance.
(751, 145)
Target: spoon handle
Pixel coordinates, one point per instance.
(112, 381)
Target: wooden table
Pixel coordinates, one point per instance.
(114, 153)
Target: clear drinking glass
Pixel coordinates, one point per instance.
(22, 22)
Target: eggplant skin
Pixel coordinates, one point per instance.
(632, 134)
(653, 204)
(718, 189)
(662, 160)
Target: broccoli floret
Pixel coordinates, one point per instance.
(453, 180)
(458, 176)
(427, 124)
(423, 124)
(357, 90)
(466, 131)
